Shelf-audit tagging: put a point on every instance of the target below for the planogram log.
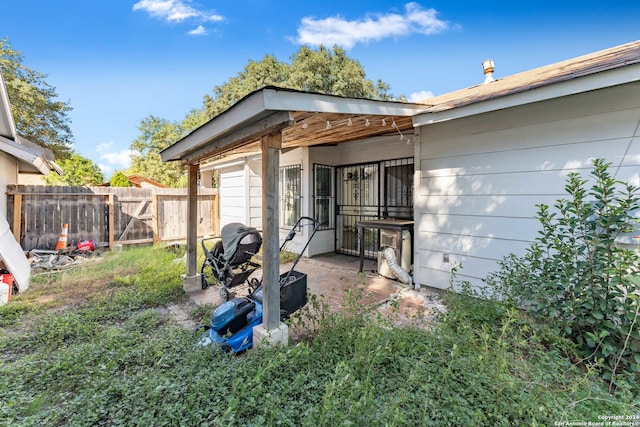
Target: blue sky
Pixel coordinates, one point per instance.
(118, 61)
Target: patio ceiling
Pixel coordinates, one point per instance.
(304, 119)
(309, 129)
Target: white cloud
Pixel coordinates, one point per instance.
(338, 31)
(199, 31)
(106, 169)
(178, 11)
(113, 159)
(420, 96)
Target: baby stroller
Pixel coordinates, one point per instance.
(228, 258)
(231, 326)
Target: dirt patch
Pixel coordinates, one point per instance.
(181, 314)
(409, 307)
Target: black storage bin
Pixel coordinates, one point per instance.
(293, 293)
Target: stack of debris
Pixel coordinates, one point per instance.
(42, 259)
(16, 266)
(63, 256)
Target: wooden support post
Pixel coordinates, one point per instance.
(271, 269)
(192, 220)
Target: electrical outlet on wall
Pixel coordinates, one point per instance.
(445, 257)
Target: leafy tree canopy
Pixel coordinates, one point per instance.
(78, 171)
(156, 134)
(39, 117)
(119, 179)
(323, 70)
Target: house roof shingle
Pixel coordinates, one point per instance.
(616, 57)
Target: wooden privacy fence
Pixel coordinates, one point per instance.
(106, 215)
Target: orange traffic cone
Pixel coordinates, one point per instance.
(62, 240)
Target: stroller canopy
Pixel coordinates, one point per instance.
(232, 235)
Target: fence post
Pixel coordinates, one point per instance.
(154, 217)
(215, 214)
(17, 216)
(111, 219)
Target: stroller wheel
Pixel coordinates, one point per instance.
(205, 284)
(224, 294)
(284, 315)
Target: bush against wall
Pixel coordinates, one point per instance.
(576, 277)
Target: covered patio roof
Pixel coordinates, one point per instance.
(303, 118)
(267, 121)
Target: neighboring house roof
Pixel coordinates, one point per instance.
(141, 182)
(31, 157)
(304, 118)
(578, 75)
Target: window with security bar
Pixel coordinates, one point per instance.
(290, 194)
(398, 188)
(323, 196)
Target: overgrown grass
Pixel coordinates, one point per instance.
(111, 357)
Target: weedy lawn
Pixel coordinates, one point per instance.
(95, 345)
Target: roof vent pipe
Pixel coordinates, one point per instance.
(488, 66)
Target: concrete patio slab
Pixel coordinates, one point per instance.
(331, 277)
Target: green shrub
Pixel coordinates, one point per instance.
(577, 278)
(119, 179)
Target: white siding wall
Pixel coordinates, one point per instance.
(254, 186)
(480, 177)
(8, 175)
(232, 192)
(374, 150)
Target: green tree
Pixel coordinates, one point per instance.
(119, 179)
(156, 135)
(78, 171)
(267, 72)
(39, 116)
(332, 72)
(322, 70)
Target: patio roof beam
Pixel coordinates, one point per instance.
(269, 110)
(211, 143)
